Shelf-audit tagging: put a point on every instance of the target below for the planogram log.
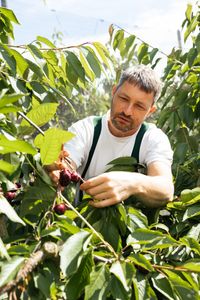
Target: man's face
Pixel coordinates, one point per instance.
(130, 107)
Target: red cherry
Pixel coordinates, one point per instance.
(75, 177)
(65, 177)
(10, 195)
(60, 208)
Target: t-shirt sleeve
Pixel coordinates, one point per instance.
(156, 147)
(79, 145)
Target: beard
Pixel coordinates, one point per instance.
(122, 122)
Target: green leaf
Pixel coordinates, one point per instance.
(50, 147)
(10, 60)
(118, 38)
(8, 99)
(142, 51)
(191, 212)
(142, 288)
(9, 14)
(86, 66)
(118, 291)
(103, 53)
(191, 27)
(81, 278)
(45, 41)
(9, 109)
(3, 250)
(162, 284)
(140, 260)
(124, 272)
(99, 281)
(72, 252)
(36, 200)
(117, 270)
(92, 59)
(136, 219)
(182, 287)
(22, 64)
(188, 195)
(7, 146)
(192, 265)
(35, 51)
(41, 114)
(188, 12)
(9, 269)
(8, 210)
(151, 239)
(76, 65)
(6, 167)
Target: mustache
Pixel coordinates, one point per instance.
(122, 114)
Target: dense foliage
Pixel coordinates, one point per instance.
(120, 252)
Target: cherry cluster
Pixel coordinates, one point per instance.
(67, 176)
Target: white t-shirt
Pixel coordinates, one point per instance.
(155, 146)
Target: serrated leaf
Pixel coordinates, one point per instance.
(70, 254)
(50, 147)
(8, 210)
(6, 167)
(7, 146)
(45, 41)
(9, 269)
(99, 280)
(41, 114)
(81, 278)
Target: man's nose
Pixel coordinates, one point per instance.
(128, 109)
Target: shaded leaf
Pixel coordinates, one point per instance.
(10, 269)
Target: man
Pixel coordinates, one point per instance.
(133, 100)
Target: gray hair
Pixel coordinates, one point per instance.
(143, 77)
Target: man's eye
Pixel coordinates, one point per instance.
(123, 98)
(140, 107)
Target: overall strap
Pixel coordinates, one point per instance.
(138, 140)
(97, 131)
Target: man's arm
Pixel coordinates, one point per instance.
(154, 189)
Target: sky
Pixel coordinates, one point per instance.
(154, 21)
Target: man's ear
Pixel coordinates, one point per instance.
(114, 88)
(152, 109)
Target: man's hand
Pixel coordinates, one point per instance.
(54, 169)
(153, 190)
(108, 189)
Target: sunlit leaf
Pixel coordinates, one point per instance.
(50, 144)
(8, 146)
(8, 210)
(6, 167)
(41, 114)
